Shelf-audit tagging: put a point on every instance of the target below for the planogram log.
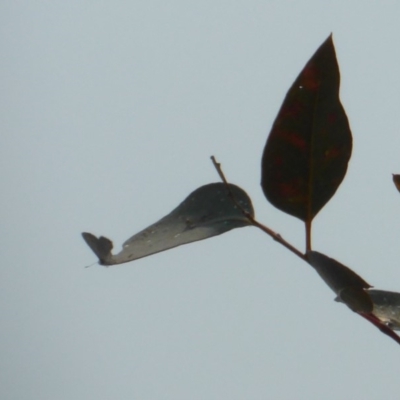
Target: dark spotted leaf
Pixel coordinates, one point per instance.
(348, 286)
(206, 212)
(306, 155)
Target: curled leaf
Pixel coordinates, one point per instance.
(206, 212)
(386, 307)
(348, 286)
(306, 155)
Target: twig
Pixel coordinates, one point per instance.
(381, 326)
(276, 236)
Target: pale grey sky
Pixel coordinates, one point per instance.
(110, 111)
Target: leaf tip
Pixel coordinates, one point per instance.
(396, 181)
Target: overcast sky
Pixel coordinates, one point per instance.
(110, 112)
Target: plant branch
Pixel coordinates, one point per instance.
(276, 236)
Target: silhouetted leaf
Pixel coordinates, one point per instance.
(380, 308)
(306, 155)
(206, 212)
(386, 307)
(348, 286)
(396, 180)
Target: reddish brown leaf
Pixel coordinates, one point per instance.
(309, 146)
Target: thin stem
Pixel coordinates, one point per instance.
(381, 326)
(276, 236)
(308, 235)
